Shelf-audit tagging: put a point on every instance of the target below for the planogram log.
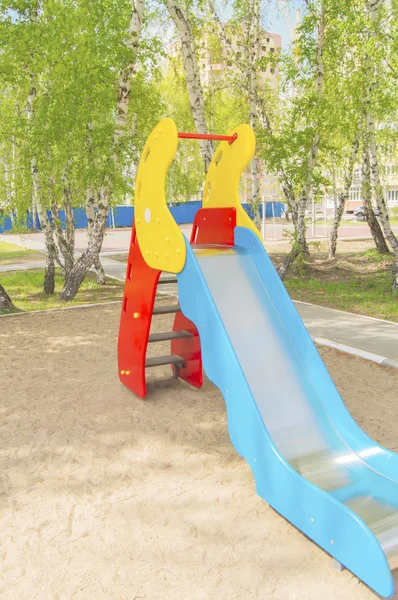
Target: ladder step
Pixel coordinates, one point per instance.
(165, 310)
(171, 359)
(167, 280)
(168, 335)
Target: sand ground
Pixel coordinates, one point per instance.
(104, 496)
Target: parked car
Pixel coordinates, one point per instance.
(359, 212)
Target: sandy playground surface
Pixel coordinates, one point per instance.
(104, 496)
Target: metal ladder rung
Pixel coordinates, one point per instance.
(168, 335)
(158, 361)
(165, 310)
(167, 280)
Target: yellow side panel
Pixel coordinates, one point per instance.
(223, 176)
(160, 239)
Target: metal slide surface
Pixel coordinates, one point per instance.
(304, 421)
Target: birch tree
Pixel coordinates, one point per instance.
(98, 223)
(188, 49)
(371, 219)
(343, 197)
(377, 62)
(6, 305)
(37, 200)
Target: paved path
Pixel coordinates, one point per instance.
(365, 333)
(370, 335)
(22, 266)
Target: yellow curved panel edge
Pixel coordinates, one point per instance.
(160, 239)
(225, 170)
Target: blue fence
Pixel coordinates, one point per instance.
(122, 216)
(278, 211)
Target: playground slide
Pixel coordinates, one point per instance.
(311, 461)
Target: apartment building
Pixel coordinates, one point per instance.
(215, 57)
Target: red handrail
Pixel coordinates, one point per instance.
(208, 136)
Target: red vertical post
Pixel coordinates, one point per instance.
(135, 321)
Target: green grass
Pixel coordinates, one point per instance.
(359, 283)
(11, 253)
(25, 289)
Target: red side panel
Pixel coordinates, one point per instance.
(189, 350)
(214, 226)
(211, 226)
(135, 321)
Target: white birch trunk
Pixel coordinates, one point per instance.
(254, 32)
(379, 193)
(313, 154)
(371, 219)
(97, 266)
(6, 305)
(373, 8)
(49, 273)
(64, 239)
(194, 85)
(341, 202)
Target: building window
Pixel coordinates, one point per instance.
(392, 196)
(272, 49)
(355, 193)
(390, 169)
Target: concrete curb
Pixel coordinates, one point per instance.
(380, 360)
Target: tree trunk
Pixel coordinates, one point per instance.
(65, 239)
(341, 202)
(377, 188)
(395, 276)
(288, 261)
(51, 254)
(255, 201)
(97, 266)
(194, 85)
(49, 272)
(51, 250)
(69, 223)
(313, 154)
(89, 256)
(6, 304)
(373, 7)
(301, 226)
(254, 32)
(99, 271)
(371, 219)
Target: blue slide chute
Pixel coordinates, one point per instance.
(311, 462)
